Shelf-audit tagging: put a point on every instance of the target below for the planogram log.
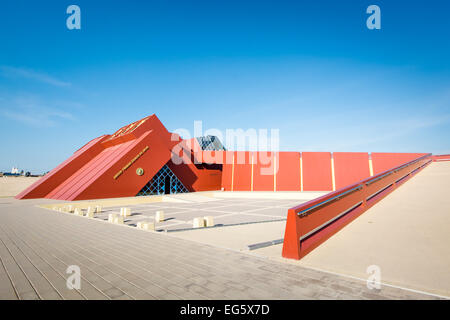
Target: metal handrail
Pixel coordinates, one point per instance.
(337, 197)
(367, 182)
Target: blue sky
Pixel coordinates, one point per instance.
(311, 69)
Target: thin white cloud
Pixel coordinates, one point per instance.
(379, 132)
(33, 112)
(14, 72)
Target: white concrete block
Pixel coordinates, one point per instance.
(111, 217)
(198, 223)
(98, 209)
(209, 221)
(125, 212)
(78, 212)
(149, 226)
(90, 213)
(70, 208)
(145, 225)
(118, 220)
(159, 216)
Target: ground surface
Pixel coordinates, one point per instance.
(407, 235)
(225, 212)
(10, 186)
(119, 262)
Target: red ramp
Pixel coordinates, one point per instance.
(106, 166)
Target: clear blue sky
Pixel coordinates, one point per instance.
(308, 68)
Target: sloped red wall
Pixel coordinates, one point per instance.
(62, 172)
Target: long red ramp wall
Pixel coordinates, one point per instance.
(310, 224)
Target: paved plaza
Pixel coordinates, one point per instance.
(120, 262)
(225, 212)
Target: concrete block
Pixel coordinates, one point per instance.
(70, 208)
(125, 212)
(209, 221)
(98, 209)
(149, 226)
(78, 212)
(90, 213)
(159, 216)
(145, 225)
(118, 220)
(111, 217)
(198, 223)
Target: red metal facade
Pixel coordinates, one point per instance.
(385, 161)
(350, 167)
(288, 174)
(263, 171)
(317, 171)
(106, 166)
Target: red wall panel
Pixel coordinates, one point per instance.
(198, 177)
(288, 175)
(317, 171)
(263, 169)
(385, 161)
(350, 167)
(227, 170)
(195, 175)
(242, 171)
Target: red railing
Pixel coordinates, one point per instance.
(310, 224)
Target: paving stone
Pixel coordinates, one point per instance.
(114, 293)
(117, 262)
